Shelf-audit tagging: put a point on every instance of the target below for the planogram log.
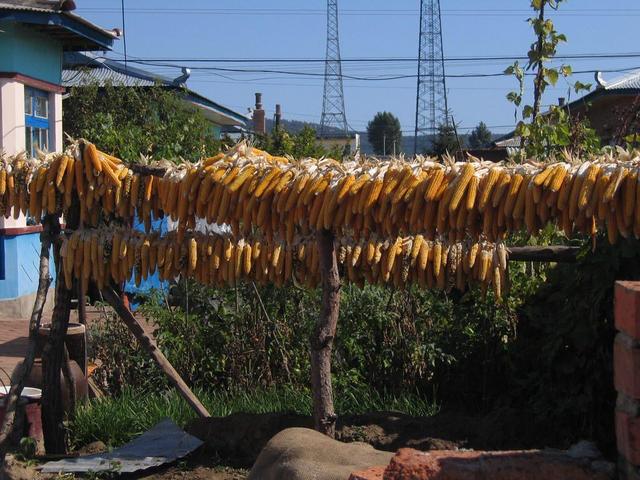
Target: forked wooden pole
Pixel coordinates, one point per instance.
(324, 415)
(148, 344)
(20, 374)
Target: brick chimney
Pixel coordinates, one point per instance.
(259, 125)
(278, 115)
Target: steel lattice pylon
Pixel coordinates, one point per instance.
(333, 99)
(431, 97)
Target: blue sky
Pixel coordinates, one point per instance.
(286, 29)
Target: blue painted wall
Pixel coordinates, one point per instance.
(25, 51)
(20, 257)
(153, 281)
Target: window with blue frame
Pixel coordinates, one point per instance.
(36, 120)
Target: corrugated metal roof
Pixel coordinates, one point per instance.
(82, 69)
(30, 5)
(630, 81)
(101, 76)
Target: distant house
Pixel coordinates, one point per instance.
(85, 69)
(349, 143)
(610, 108)
(34, 35)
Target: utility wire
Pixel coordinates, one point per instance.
(573, 56)
(356, 77)
(594, 12)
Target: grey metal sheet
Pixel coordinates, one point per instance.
(164, 443)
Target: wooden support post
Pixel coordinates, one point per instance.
(82, 306)
(52, 357)
(150, 346)
(20, 374)
(323, 334)
(53, 352)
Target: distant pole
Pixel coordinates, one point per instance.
(124, 38)
(455, 131)
(394, 148)
(384, 144)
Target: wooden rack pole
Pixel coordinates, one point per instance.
(150, 346)
(324, 415)
(543, 254)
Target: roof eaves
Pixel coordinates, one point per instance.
(99, 37)
(204, 101)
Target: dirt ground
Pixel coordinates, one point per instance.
(233, 443)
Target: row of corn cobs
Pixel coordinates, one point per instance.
(105, 255)
(247, 189)
(104, 185)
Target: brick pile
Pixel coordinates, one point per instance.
(626, 374)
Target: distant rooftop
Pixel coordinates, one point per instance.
(629, 81)
(81, 69)
(50, 17)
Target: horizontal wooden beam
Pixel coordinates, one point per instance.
(543, 254)
(156, 170)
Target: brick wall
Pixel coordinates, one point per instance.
(626, 360)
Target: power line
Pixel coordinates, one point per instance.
(593, 12)
(574, 56)
(356, 77)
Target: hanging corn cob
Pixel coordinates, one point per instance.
(284, 198)
(116, 255)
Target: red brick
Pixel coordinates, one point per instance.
(628, 436)
(627, 308)
(626, 366)
(410, 464)
(373, 473)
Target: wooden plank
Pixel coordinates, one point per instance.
(152, 349)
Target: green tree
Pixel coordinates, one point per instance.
(299, 145)
(129, 121)
(445, 140)
(480, 136)
(384, 132)
(555, 130)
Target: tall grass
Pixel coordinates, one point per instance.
(115, 421)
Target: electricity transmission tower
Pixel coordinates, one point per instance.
(333, 99)
(431, 96)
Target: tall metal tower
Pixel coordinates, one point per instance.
(333, 99)
(431, 97)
